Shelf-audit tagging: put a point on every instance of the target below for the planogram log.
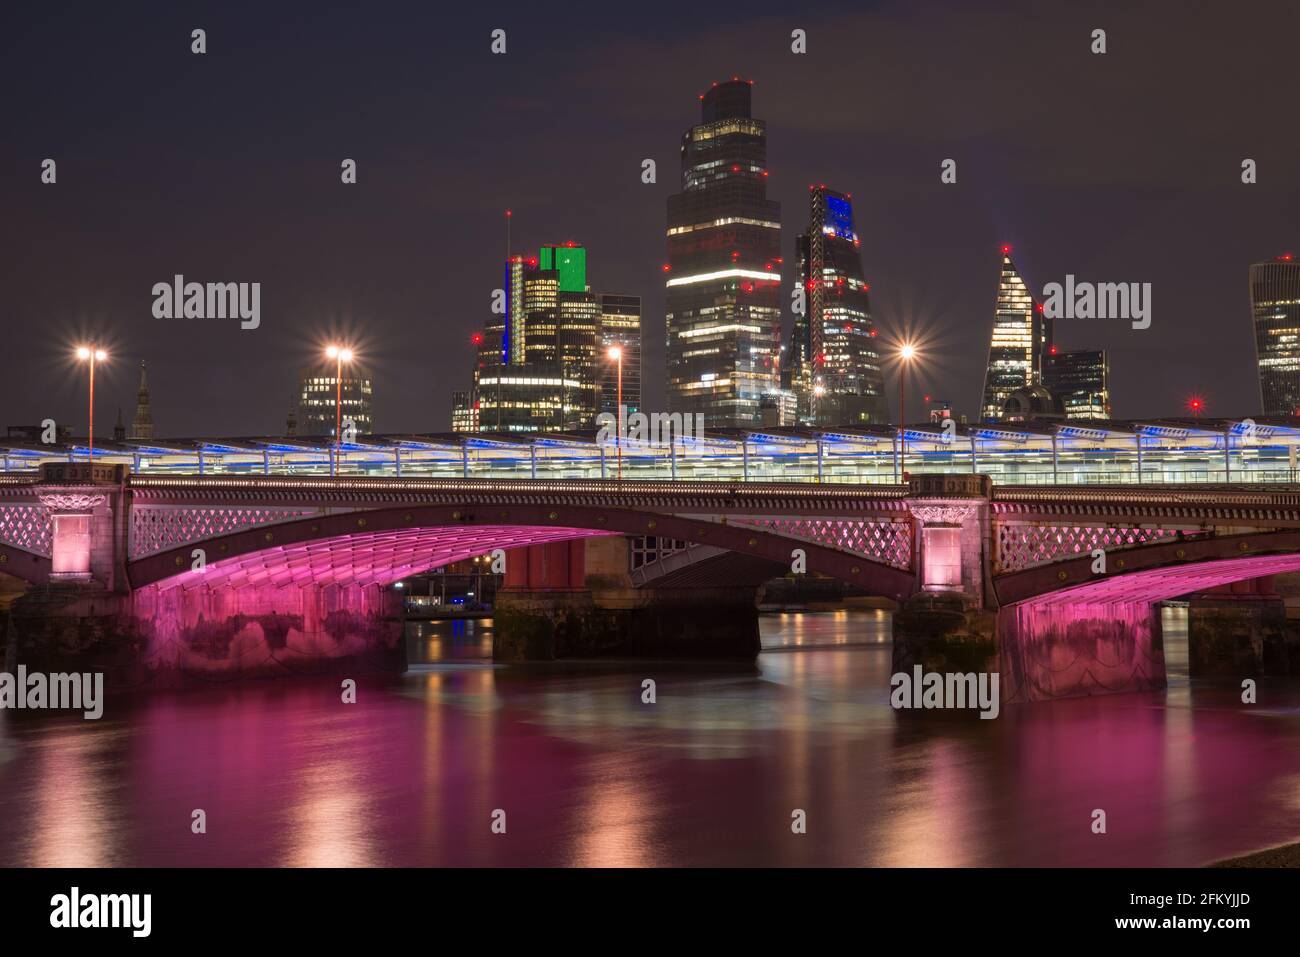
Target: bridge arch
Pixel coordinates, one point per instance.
(24, 565)
(1152, 573)
(382, 545)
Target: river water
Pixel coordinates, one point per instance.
(711, 773)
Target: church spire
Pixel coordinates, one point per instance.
(142, 423)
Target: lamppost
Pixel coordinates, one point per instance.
(905, 354)
(340, 355)
(91, 354)
(616, 354)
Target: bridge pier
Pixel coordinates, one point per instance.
(1068, 650)
(945, 627)
(1242, 630)
(172, 637)
(576, 600)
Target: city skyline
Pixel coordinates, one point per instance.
(924, 246)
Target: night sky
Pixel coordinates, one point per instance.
(225, 167)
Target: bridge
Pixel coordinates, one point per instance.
(163, 577)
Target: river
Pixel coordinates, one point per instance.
(711, 773)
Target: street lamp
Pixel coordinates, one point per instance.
(906, 353)
(91, 355)
(340, 355)
(616, 354)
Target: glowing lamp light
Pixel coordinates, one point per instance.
(908, 351)
(615, 353)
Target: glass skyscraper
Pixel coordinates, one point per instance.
(1275, 308)
(319, 393)
(1021, 335)
(1081, 380)
(723, 272)
(620, 325)
(540, 362)
(834, 355)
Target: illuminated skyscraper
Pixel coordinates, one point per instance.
(620, 325)
(539, 362)
(318, 395)
(1275, 307)
(1021, 335)
(835, 362)
(1081, 380)
(723, 272)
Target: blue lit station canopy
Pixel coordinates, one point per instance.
(1019, 453)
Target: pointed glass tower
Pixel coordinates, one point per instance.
(1021, 337)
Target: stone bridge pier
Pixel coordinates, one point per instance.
(954, 622)
(576, 599)
(88, 618)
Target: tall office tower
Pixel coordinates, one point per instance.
(1081, 380)
(538, 365)
(319, 392)
(142, 421)
(1021, 335)
(620, 325)
(835, 360)
(723, 285)
(580, 361)
(1275, 307)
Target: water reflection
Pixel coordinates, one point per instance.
(709, 774)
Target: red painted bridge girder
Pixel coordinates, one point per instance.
(324, 549)
(27, 566)
(1153, 573)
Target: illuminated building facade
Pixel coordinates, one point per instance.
(779, 408)
(1275, 309)
(723, 278)
(1021, 336)
(464, 412)
(539, 361)
(317, 394)
(620, 326)
(834, 356)
(1080, 379)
